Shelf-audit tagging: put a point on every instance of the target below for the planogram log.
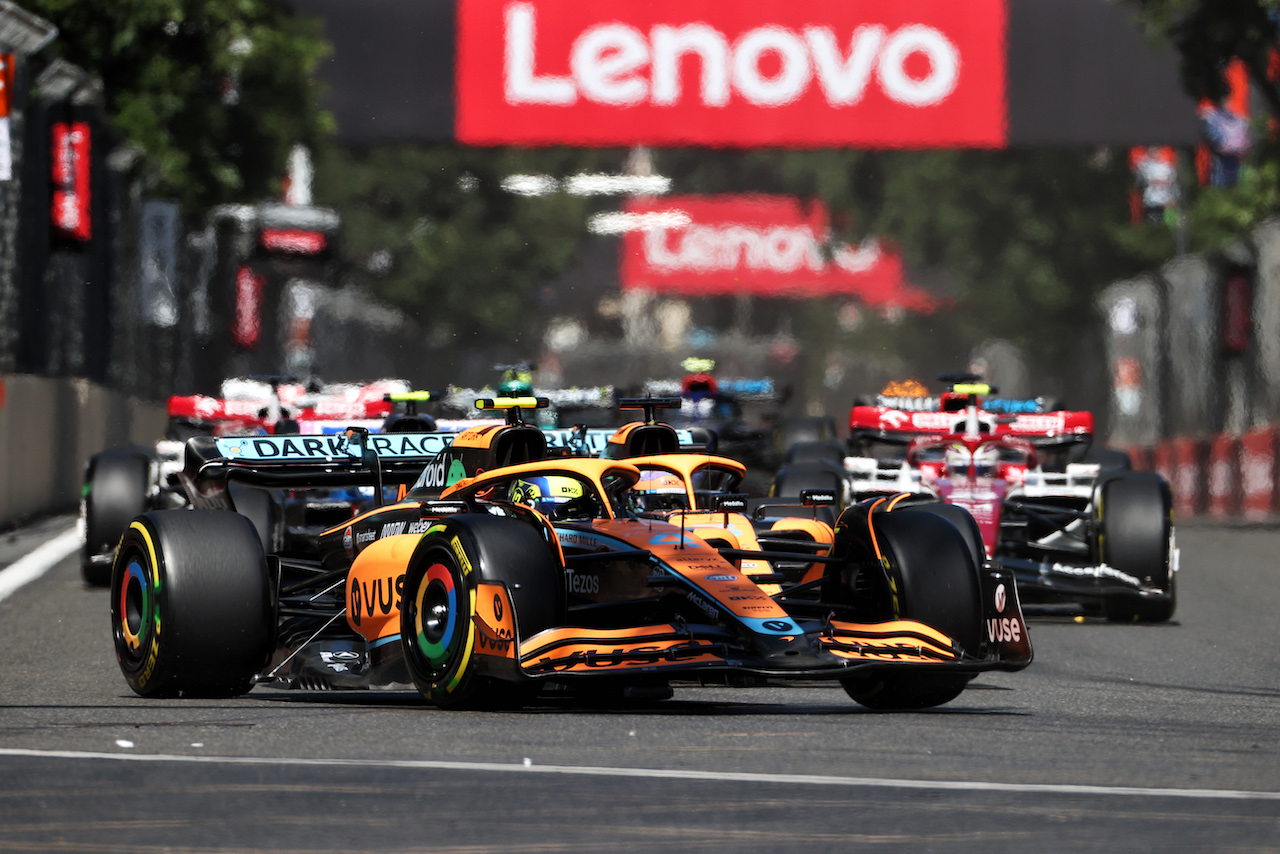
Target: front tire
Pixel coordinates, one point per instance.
(116, 488)
(932, 579)
(437, 614)
(1135, 525)
(191, 606)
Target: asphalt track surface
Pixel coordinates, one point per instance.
(1117, 738)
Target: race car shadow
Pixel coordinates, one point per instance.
(1068, 612)
(716, 701)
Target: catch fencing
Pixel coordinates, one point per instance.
(1194, 356)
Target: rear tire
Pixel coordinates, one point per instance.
(825, 452)
(191, 610)
(116, 486)
(258, 506)
(1107, 458)
(1135, 524)
(791, 480)
(436, 626)
(930, 564)
(805, 428)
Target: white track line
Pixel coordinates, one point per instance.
(31, 566)
(660, 774)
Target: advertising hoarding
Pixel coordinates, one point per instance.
(765, 246)
(876, 73)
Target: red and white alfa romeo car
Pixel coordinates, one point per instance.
(1093, 531)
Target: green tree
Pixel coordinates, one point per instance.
(431, 230)
(215, 92)
(1018, 243)
(1208, 36)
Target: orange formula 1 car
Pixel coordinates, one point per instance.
(504, 570)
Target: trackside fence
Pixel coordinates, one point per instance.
(1194, 355)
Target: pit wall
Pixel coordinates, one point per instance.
(49, 427)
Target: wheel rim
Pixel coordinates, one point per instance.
(436, 618)
(137, 608)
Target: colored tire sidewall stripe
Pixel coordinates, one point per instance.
(134, 575)
(437, 654)
(151, 591)
(467, 645)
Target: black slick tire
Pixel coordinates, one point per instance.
(933, 580)
(1134, 526)
(191, 609)
(437, 630)
(115, 491)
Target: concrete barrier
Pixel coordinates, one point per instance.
(49, 428)
(1188, 477)
(1223, 493)
(1258, 493)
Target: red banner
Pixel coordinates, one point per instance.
(246, 327)
(770, 246)
(872, 73)
(6, 83)
(70, 208)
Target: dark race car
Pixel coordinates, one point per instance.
(505, 570)
(122, 482)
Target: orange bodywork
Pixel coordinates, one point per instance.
(375, 584)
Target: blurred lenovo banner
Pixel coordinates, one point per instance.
(877, 73)
(766, 246)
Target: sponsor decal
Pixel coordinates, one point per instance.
(778, 626)
(461, 554)
(877, 73)
(582, 583)
(1004, 630)
(342, 660)
(391, 529)
(347, 542)
(1099, 571)
(498, 642)
(721, 578)
(703, 604)
(327, 447)
(1001, 595)
(1048, 424)
(435, 475)
(583, 539)
(943, 421)
(373, 597)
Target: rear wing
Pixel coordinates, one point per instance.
(899, 426)
(301, 462)
(592, 441)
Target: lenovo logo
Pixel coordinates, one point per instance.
(879, 72)
(618, 64)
